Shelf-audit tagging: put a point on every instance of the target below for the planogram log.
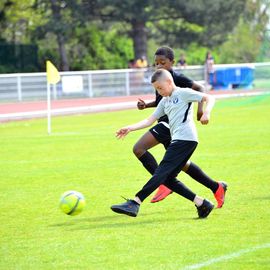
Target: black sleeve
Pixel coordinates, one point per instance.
(181, 80)
(158, 98)
(163, 118)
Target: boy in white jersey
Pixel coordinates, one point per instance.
(177, 105)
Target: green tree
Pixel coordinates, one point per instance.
(204, 22)
(93, 48)
(133, 13)
(95, 34)
(172, 22)
(60, 23)
(4, 6)
(18, 20)
(83, 40)
(245, 42)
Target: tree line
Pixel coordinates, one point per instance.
(103, 34)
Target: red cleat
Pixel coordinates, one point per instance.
(220, 194)
(161, 194)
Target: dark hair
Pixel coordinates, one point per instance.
(207, 54)
(165, 51)
(156, 76)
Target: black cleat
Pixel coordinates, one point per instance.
(205, 209)
(130, 208)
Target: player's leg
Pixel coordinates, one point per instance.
(140, 149)
(204, 207)
(194, 171)
(190, 168)
(173, 161)
(175, 158)
(218, 188)
(160, 133)
(165, 169)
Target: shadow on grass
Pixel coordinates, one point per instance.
(262, 198)
(115, 221)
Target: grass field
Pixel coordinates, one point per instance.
(82, 154)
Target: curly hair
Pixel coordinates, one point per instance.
(165, 51)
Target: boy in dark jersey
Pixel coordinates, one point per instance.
(177, 104)
(160, 133)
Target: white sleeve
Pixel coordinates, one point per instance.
(190, 95)
(159, 111)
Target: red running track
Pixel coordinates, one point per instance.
(30, 109)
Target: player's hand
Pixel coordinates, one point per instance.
(122, 132)
(141, 104)
(205, 118)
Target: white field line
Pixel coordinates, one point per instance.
(226, 257)
(102, 107)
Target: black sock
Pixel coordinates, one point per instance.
(179, 188)
(149, 162)
(196, 173)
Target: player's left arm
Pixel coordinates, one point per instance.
(199, 87)
(209, 101)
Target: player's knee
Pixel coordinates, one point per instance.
(185, 168)
(138, 150)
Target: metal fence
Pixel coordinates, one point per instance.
(103, 83)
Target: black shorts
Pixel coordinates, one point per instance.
(162, 134)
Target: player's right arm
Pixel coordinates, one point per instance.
(198, 87)
(183, 81)
(210, 101)
(141, 104)
(122, 132)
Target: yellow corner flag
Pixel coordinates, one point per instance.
(53, 75)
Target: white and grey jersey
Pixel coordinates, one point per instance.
(179, 109)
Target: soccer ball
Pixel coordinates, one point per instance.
(72, 203)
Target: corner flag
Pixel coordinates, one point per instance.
(53, 76)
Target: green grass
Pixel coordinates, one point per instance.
(83, 154)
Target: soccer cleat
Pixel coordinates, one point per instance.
(161, 194)
(205, 209)
(220, 194)
(130, 208)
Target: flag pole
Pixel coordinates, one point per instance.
(53, 77)
(49, 108)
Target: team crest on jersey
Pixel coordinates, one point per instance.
(175, 100)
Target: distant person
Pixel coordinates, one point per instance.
(141, 62)
(182, 61)
(209, 68)
(131, 63)
(140, 75)
(184, 142)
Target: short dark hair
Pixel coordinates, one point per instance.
(156, 76)
(165, 51)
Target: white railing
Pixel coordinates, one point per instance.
(101, 83)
